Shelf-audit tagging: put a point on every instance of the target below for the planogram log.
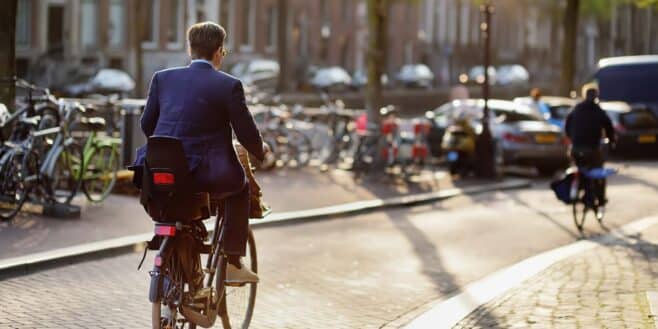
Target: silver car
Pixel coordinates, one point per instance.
(522, 136)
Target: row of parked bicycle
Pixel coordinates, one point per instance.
(333, 136)
(52, 149)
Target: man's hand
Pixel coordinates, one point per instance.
(266, 149)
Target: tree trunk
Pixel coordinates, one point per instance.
(569, 46)
(376, 56)
(7, 49)
(282, 46)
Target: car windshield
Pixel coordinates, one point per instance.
(632, 83)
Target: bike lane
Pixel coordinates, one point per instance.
(364, 271)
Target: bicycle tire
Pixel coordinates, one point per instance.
(97, 169)
(68, 164)
(232, 316)
(579, 210)
(12, 178)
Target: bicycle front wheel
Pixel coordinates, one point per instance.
(237, 306)
(64, 179)
(13, 188)
(100, 173)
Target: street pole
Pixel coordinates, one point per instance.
(485, 144)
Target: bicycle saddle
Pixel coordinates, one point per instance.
(167, 191)
(93, 123)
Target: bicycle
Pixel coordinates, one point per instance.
(587, 194)
(173, 289)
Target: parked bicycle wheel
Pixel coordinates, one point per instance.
(13, 189)
(237, 307)
(100, 173)
(64, 179)
(302, 148)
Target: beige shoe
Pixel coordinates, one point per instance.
(239, 276)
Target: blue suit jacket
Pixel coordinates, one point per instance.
(202, 107)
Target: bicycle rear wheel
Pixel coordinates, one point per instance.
(579, 210)
(237, 306)
(64, 179)
(100, 173)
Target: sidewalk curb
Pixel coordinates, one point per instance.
(17, 266)
(446, 313)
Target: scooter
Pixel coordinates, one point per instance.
(458, 145)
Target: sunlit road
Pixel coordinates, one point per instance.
(372, 270)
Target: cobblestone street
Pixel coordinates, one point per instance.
(602, 288)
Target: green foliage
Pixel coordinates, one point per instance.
(602, 8)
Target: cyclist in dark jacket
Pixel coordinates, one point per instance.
(584, 126)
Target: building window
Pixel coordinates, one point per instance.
(23, 23)
(116, 31)
(248, 17)
(150, 18)
(272, 29)
(89, 23)
(175, 24)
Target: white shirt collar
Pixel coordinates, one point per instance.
(201, 60)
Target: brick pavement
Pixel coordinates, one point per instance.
(604, 287)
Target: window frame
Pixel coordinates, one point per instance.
(155, 16)
(180, 12)
(250, 26)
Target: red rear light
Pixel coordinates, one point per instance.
(566, 141)
(163, 178)
(515, 138)
(165, 230)
(157, 261)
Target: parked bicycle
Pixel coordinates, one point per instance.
(178, 299)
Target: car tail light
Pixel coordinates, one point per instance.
(163, 178)
(157, 261)
(385, 152)
(165, 230)
(515, 138)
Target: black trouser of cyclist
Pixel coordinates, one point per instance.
(589, 158)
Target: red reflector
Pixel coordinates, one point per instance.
(157, 261)
(419, 151)
(163, 178)
(165, 230)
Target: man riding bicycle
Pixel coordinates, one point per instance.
(203, 107)
(584, 126)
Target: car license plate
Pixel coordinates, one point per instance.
(545, 138)
(453, 156)
(645, 139)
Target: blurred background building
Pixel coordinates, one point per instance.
(58, 40)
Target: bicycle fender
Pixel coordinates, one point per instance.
(156, 287)
(49, 163)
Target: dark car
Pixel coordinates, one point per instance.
(636, 129)
(630, 79)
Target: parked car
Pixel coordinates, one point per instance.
(415, 76)
(558, 108)
(260, 73)
(636, 129)
(333, 78)
(360, 79)
(631, 79)
(476, 75)
(512, 75)
(522, 136)
(103, 81)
